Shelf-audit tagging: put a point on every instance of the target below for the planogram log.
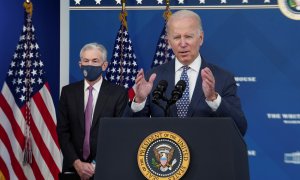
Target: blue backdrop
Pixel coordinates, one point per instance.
(254, 40)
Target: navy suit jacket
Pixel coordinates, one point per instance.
(225, 86)
(111, 102)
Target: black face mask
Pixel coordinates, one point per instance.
(91, 73)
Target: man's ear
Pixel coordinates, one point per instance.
(104, 66)
(167, 39)
(201, 38)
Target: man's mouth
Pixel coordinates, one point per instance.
(183, 53)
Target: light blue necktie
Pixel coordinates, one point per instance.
(183, 103)
(88, 122)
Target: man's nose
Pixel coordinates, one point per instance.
(182, 42)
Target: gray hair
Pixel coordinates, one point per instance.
(184, 14)
(96, 46)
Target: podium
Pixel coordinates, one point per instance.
(217, 149)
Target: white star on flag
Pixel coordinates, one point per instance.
(123, 67)
(163, 53)
(202, 1)
(180, 1)
(118, 1)
(98, 1)
(223, 1)
(139, 1)
(245, 1)
(77, 2)
(267, 1)
(159, 1)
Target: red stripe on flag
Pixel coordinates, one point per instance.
(131, 94)
(42, 147)
(4, 169)
(14, 162)
(47, 85)
(36, 170)
(15, 126)
(46, 116)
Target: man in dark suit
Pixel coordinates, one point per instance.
(81, 106)
(210, 91)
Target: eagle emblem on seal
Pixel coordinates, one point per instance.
(163, 157)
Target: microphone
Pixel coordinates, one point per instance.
(158, 92)
(178, 91)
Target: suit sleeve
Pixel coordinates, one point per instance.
(121, 103)
(230, 104)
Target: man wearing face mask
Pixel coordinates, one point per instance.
(81, 106)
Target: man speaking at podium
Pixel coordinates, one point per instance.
(209, 90)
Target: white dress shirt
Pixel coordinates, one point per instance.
(192, 73)
(96, 90)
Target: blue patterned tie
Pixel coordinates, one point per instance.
(88, 122)
(183, 103)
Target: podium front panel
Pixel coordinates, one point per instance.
(217, 149)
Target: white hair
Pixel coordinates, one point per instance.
(184, 14)
(96, 46)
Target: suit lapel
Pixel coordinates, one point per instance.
(198, 92)
(102, 99)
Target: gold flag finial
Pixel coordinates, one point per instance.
(123, 5)
(123, 14)
(167, 12)
(168, 2)
(28, 7)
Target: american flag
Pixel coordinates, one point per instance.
(123, 66)
(163, 51)
(28, 139)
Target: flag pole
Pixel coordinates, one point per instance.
(123, 14)
(166, 15)
(167, 12)
(123, 20)
(28, 141)
(123, 5)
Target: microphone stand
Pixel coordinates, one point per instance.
(166, 109)
(175, 96)
(158, 104)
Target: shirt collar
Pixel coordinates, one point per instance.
(96, 86)
(195, 66)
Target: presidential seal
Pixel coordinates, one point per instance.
(163, 155)
(290, 8)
